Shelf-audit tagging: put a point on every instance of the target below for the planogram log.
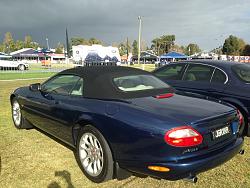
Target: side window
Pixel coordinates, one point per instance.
(218, 77)
(200, 73)
(62, 84)
(171, 72)
(78, 88)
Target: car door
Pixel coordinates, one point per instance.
(52, 108)
(65, 111)
(196, 79)
(171, 74)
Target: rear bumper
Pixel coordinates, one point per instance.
(188, 167)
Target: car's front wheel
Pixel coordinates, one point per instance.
(16, 114)
(94, 155)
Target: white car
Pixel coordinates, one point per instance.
(6, 62)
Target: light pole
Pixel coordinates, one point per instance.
(47, 43)
(139, 40)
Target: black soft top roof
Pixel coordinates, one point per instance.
(98, 82)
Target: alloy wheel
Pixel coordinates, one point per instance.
(91, 154)
(16, 113)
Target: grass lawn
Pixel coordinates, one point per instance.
(24, 75)
(44, 73)
(31, 159)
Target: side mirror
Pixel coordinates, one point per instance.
(35, 87)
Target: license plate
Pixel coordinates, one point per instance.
(221, 132)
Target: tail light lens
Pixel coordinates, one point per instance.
(184, 136)
(240, 116)
(163, 96)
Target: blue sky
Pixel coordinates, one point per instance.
(205, 22)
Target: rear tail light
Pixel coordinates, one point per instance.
(240, 116)
(184, 136)
(163, 96)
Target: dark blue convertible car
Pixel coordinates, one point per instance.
(227, 81)
(121, 121)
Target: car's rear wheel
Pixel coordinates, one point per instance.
(94, 155)
(17, 114)
(21, 67)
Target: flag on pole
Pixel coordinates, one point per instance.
(67, 44)
(127, 49)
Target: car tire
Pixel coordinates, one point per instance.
(17, 114)
(94, 155)
(21, 67)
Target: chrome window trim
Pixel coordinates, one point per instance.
(184, 73)
(212, 75)
(191, 63)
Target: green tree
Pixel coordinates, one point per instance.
(94, 41)
(1, 48)
(156, 45)
(163, 44)
(192, 49)
(79, 41)
(135, 47)
(59, 48)
(246, 50)
(82, 41)
(28, 41)
(122, 49)
(19, 45)
(167, 42)
(177, 48)
(233, 46)
(242, 45)
(8, 42)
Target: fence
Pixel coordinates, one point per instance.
(34, 67)
(39, 70)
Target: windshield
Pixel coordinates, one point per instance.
(242, 71)
(139, 83)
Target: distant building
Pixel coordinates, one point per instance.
(146, 57)
(241, 59)
(205, 55)
(95, 53)
(31, 55)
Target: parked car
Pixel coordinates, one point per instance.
(122, 121)
(6, 62)
(227, 81)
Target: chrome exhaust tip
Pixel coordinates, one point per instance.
(191, 179)
(242, 152)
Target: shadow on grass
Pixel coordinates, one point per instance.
(66, 176)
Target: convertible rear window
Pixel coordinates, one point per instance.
(139, 83)
(242, 71)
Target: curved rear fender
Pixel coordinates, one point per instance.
(89, 120)
(81, 122)
(238, 104)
